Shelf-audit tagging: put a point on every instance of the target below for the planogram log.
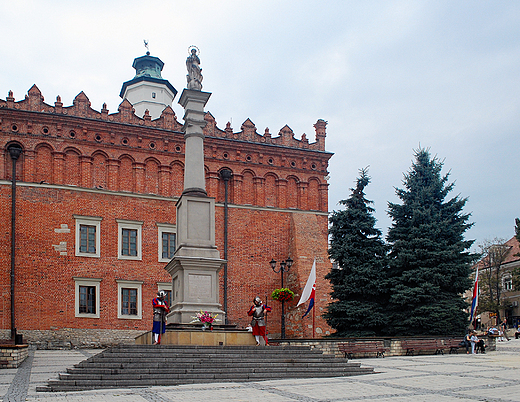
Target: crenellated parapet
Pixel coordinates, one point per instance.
(81, 107)
(81, 147)
(285, 137)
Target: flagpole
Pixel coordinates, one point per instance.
(474, 301)
(266, 331)
(313, 318)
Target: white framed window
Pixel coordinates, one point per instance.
(88, 236)
(87, 297)
(129, 299)
(508, 283)
(129, 239)
(167, 287)
(167, 241)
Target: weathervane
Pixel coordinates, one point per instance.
(146, 46)
(194, 76)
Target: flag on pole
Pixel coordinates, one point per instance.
(309, 290)
(474, 302)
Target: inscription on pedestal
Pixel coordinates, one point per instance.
(199, 286)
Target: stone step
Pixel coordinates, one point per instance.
(177, 365)
(227, 367)
(204, 360)
(146, 365)
(186, 357)
(204, 373)
(210, 353)
(85, 384)
(143, 351)
(208, 359)
(223, 349)
(100, 368)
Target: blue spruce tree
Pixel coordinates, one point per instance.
(429, 258)
(358, 283)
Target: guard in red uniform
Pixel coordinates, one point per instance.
(257, 312)
(160, 309)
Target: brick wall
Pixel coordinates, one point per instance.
(79, 162)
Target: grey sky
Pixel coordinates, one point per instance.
(387, 76)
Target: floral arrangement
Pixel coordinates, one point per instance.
(283, 294)
(205, 318)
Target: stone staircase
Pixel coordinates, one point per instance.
(130, 366)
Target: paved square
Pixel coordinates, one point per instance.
(493, 377)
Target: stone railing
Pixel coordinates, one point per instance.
(393, 345)
(11, 356)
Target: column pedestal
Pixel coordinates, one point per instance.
(196, 263)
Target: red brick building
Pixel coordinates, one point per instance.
(95, 217)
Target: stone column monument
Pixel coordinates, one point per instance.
(196, 263)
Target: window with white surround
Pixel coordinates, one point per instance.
(508, 283)
(88, 236)
(129, 239)
(167, 241)
(129, 301)
(87, 297)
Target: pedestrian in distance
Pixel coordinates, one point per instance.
(467, 341)
(503, 328)
(480, 346)
(474, 342)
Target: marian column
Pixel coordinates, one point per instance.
(196, 263)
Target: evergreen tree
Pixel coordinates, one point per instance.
(429, 258)
(358, 282)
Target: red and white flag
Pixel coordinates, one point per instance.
(474, 302)
(309, 291)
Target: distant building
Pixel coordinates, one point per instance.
(510, 297)
(95, 213)
(511, 294)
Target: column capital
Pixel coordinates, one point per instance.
(198, 99)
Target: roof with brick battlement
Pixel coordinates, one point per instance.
(81, 107)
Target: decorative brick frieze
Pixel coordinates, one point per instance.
(80, 162)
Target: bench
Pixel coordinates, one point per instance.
(413, 345)
(350, 348)
(454, 344)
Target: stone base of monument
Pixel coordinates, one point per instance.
(193, 334)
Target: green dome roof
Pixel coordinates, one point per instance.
(148, 66)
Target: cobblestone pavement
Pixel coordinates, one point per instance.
(494, 376)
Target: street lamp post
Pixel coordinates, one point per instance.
(284, 267)
(226, 175)
(15, 151)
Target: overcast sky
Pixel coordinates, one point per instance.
(387, 76)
